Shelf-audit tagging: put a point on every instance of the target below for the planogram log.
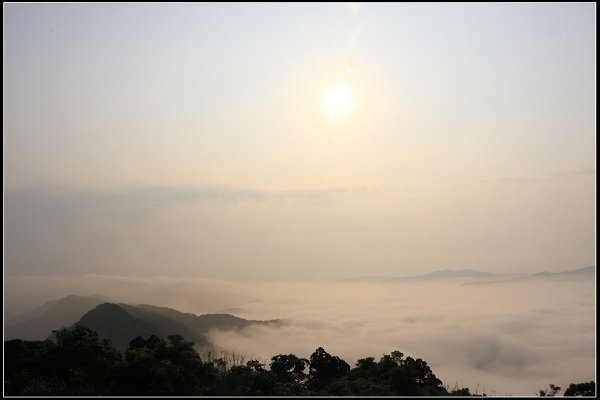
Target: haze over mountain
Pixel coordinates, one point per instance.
(444, 274)
(9, 316)
(115, 323)
(164, 325)
(510, 337)
(38, 323)
(584, 273)
(206, 322)
(472, 276)
(208, 157)
(121, 322)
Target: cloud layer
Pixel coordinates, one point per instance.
(327, 232)
(508, 339)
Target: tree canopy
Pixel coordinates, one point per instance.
(81, 363)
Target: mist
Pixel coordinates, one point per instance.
(504, 338)
(181, 155)
(324, 232)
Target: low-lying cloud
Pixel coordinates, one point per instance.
(508, 339)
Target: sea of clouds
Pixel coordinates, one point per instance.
(504, 338)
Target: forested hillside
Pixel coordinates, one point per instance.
(81, 363)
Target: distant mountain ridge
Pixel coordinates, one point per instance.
(206, 322)
(39, 322)
(583, 273)
(444, 274)
(472, 276)
(459, 273)
(115, 323)
(167, 326)
(120, 322)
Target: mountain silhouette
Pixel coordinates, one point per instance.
(474, 277)
(39, 322)
(120, 322)
(569, 275)
(458, 273)
(578, 273)
(166, 324)
(206, 322)
(115, 323)
(441, 275)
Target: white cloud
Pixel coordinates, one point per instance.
(511, 339)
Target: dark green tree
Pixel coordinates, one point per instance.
(581, 389)
(324, 368)
(251, 379)
(156, 367)
(81, 363)
(290, 373)
(289, 368)
(551, 392)
(26, 365)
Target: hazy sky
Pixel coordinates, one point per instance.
(191, 139)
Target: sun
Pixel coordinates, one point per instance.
(337, 101)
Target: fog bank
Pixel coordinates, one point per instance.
(507, 338)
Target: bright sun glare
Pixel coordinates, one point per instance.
(337, 101)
